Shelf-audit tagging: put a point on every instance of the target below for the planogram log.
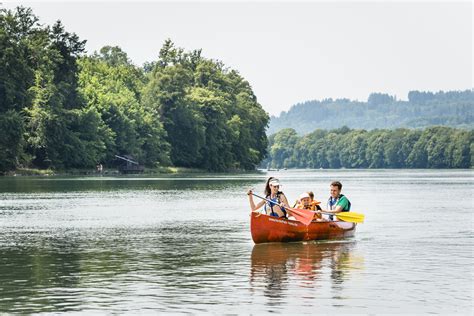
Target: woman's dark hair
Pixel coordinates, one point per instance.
(268, 191)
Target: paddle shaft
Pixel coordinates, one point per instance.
(280, 205)
(268, 200)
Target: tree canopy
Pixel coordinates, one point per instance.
(433, 147)
(62, 108)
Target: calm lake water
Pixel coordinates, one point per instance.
(182, 245)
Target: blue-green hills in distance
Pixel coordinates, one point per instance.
(381, 111)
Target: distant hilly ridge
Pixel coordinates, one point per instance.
(423, 109)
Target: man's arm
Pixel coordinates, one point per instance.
(341, 204)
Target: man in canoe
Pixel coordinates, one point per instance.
(273, 193)
(337, 202)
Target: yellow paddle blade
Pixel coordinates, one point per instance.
(351, 217)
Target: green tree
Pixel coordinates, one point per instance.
(210, 114)
(12, 141)
(282, 147)
(17, 32)
(375, 149)
(112, 86)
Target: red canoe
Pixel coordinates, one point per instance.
(265, 228)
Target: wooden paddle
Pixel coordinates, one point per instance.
(301, 215)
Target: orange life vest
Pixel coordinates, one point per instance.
(312, 207)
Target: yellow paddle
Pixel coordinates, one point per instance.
(350, 217)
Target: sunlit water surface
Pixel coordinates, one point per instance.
(183, 245)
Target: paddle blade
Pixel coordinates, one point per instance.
(351, 217)
(302, 215)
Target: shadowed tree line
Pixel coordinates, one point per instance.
(381, 111)
(433, 147)
(61, 108)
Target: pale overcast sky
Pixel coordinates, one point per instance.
(292, 52)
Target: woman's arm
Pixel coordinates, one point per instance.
(254, 207)
(284, 203)
(284, 200)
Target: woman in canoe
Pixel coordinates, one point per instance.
(273, 193)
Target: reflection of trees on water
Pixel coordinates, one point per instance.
(25, 272)
(114, 184)
(279, 266)
(340, 264)
(169, 265)
(45, 274)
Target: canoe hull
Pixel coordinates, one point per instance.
(266, 228)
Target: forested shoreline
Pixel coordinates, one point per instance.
(64, 109)
(61, 108)
(433, 147)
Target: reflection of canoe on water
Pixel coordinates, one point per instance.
(283, 253)
(277, 263)
(265, 228)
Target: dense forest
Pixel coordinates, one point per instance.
(382, 111)
(61, 108)
(433, 147)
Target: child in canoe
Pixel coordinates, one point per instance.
(308, 202)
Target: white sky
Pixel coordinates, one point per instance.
(292, 52)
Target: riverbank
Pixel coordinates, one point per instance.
(92, 172)
(28, 172)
